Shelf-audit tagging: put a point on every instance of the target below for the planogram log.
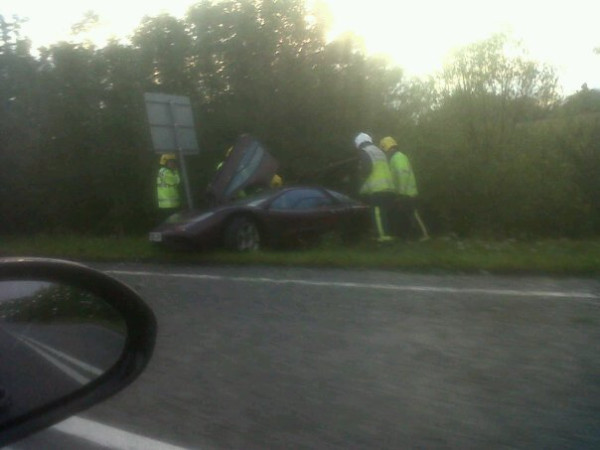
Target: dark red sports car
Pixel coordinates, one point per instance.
(283, 216)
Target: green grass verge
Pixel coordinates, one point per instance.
(566, 257)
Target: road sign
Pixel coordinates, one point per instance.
(172, 129)
(171, 123)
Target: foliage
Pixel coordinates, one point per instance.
(491, 168)
(56, 303)
(495, 148)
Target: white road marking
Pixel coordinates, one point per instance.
(110, 437)
(91, 431)
(76, 362)
(352, 285)
(71, 373)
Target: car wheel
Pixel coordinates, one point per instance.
(242, 235)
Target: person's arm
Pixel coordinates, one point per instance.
(365, 165)
(412, 181)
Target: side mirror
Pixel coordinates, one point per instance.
(70, 337)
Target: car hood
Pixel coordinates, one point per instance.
(187, 218)
(248, 164)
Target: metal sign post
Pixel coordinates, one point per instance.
(172, 128)
(186, 182)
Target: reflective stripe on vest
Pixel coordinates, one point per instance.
(380, 178)
(403, 176)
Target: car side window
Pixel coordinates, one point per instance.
(300, 199)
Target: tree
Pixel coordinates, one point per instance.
(493, 151)
(89, 21)
(164, 46)
(471, 144)
(19, 119)
(493, 85)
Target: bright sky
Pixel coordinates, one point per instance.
(417, 34)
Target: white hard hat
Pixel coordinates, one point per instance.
(361, 138)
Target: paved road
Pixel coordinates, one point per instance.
(44, 362)
(329, 359)
(29, 379)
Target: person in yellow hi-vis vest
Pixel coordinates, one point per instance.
(405, 187)
(378, 188)
(167, 186)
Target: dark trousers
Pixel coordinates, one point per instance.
(402, 216)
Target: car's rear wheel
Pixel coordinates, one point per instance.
(242, 235)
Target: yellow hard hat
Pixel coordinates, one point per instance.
(387, 143)
(167, 157)
(276, 181)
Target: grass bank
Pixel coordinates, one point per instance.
(564, 257)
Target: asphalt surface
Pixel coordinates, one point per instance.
(28, 379)
(44, 362)
(266, 358)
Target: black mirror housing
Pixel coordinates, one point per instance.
(139, 321)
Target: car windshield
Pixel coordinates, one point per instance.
(300, 198)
